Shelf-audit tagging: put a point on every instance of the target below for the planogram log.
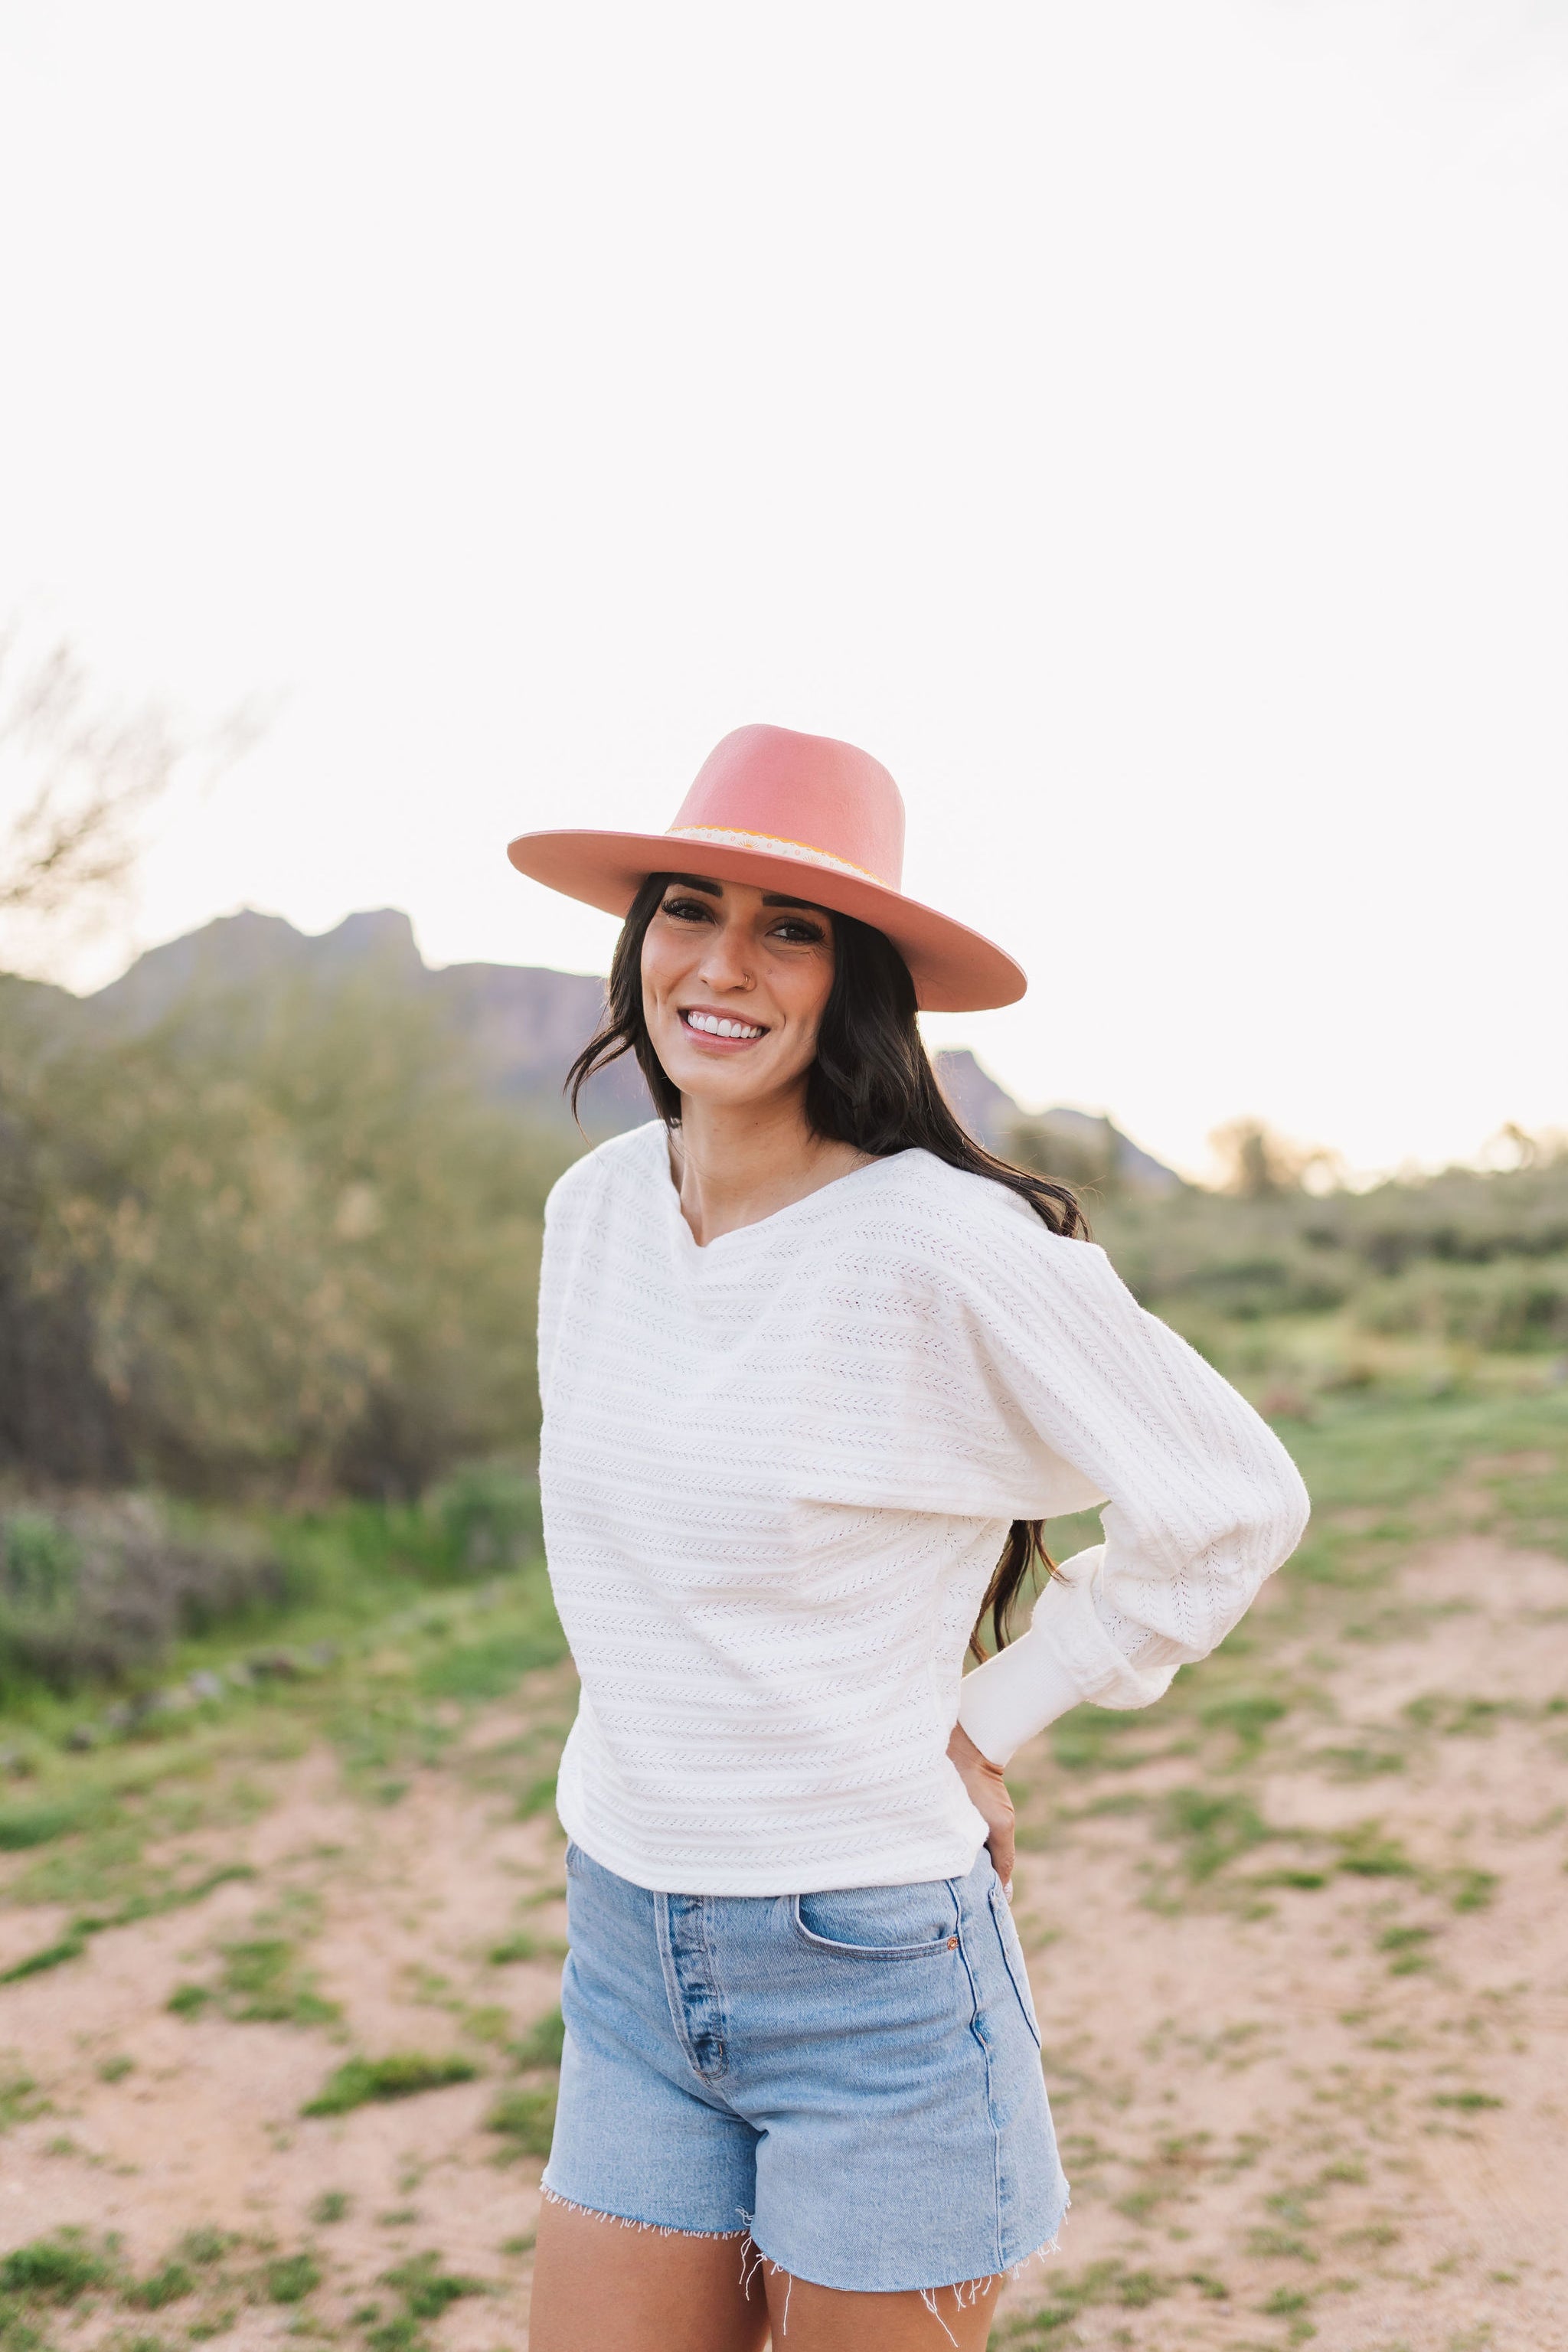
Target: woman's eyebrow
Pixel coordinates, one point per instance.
(695, 882)
(772, 898)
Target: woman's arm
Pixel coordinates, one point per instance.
(1203, 1501)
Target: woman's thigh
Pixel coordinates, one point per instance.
(807, 2318)
(597, 2283)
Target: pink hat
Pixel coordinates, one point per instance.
(795, 813)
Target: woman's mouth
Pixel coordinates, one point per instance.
(723, 1025)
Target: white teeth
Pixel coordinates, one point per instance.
(713, 1027)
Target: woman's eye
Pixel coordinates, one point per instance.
(686, 907)
(797, 933)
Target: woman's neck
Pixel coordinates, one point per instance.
(735, 1164)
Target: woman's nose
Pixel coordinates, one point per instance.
(725, 962)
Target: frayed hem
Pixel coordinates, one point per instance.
(1042, 2253)
(627, 2221)
(965, 2293)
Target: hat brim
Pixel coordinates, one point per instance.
(954, 970)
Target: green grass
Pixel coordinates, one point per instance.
(359, 2080)
(148, 1903)
(426, 2289)
(542, 2043)
(1408, 1946)
(58, 2269)
(525, 2119)
(518, 1947)
(23, 1826)
(262, 1982)
(1100, 2284)
(1365, 1852)
(477, 1671)
(207, 2246)
(1215, 1827)
(169, 2284)
(423, 2291)
(289, 2278)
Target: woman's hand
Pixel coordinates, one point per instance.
(987, 1792)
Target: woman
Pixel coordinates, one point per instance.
(811, 1359)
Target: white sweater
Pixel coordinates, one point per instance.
(778, 1472)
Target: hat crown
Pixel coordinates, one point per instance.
(809, 793)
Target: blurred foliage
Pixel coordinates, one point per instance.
(105, 1588)
(93, 1589)
(1417, 1278)
(286, 1252)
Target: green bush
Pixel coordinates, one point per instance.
(94, 1589)
(275, 1248)
(1511, 1303)
(1193, 1253)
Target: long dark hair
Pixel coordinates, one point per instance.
(872, 1086)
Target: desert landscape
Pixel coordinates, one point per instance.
(1071, 502)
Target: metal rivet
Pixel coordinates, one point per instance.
(952, 1943)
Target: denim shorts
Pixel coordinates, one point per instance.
(852, 2078)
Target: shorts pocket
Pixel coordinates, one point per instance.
(879, 1922)
(1013, 1957)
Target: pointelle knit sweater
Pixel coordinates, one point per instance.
(778, 1472)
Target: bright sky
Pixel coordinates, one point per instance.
(1142, 427)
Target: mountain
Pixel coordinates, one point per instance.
(523, 1025)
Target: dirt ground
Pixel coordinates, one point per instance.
(1316, 2091)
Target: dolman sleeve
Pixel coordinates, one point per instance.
(1201, 1500)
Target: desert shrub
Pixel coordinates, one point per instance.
(283, 1248)
(92, 1590)
(1507, 1303)
(1464, 1255)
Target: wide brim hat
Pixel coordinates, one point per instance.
(801, 814)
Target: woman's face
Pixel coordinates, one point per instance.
(734, 983)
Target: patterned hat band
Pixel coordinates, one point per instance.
(718, 836)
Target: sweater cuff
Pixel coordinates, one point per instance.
(1014, 1695)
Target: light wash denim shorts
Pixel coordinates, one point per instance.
(852, 2078)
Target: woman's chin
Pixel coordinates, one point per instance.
(720, 1077)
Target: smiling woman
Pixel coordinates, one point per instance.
(815, 1367)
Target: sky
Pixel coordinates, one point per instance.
(1141, 427)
